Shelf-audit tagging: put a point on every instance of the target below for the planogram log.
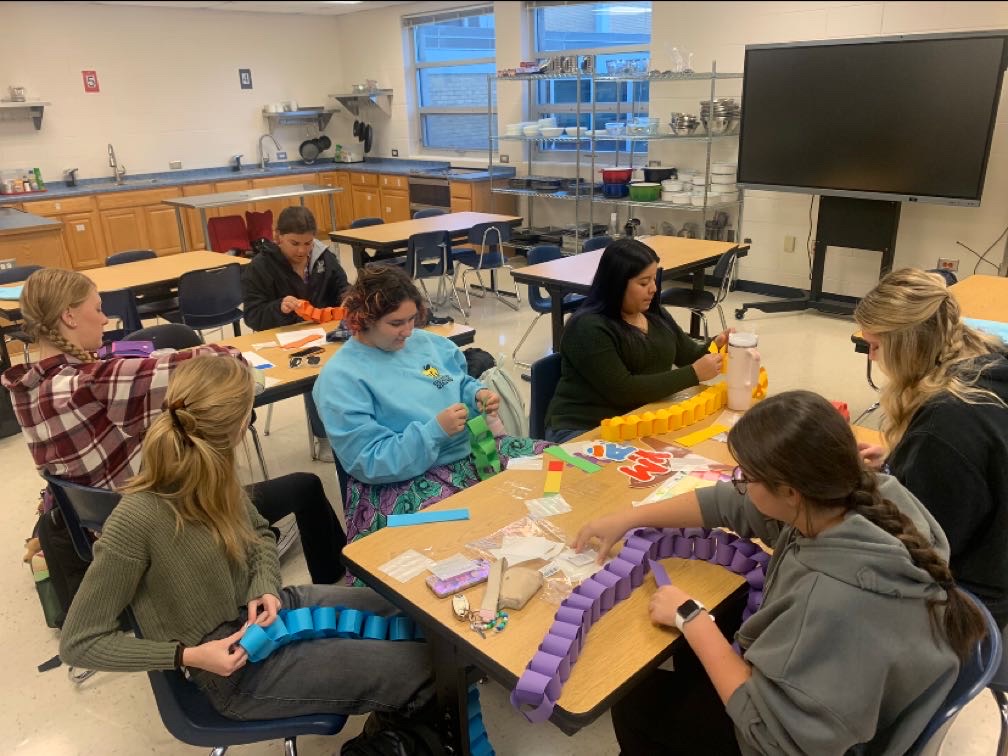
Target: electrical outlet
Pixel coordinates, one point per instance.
(7, 264)
(395, 153)
(505, 159)
(945, 263)
(789, 244)
(281, 155)
(174, 164)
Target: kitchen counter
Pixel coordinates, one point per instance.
(17, 222)
(397, 166)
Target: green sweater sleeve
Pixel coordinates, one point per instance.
(91, 637)
(263, 559)
(595, 352)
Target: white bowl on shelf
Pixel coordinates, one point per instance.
(698, 179)
(531, 131)
(671, 185)
(549, 132)
(681, 198)
(723, 179)
(576, 131)
(697, 200)
(724, 169)
(546, 123)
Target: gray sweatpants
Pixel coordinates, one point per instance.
(326, 676)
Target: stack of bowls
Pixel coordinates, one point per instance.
(531, 131)
(670, 188)
(615, 128)
(683, 124)
(550, 132)
(719, 116)
(615, 182)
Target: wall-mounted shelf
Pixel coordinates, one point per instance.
(33, 108)
(380, 98)
(317, 116)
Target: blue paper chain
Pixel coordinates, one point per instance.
(479, 741)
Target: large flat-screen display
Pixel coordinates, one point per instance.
(898, 118)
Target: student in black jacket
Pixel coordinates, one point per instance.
(297, 267)
(946, 405)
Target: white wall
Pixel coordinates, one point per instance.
(170, 91)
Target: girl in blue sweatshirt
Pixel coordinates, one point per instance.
(395, 401)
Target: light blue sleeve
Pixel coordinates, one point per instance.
(368, 450)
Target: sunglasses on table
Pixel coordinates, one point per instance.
(311, 359)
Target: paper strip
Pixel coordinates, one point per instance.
(524, 463)
(257, 361)
(570, 459)
(552, 484)
(660, 575)
(421, 518)
(701, 435)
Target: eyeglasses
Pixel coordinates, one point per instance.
(740, 481)
(311, 359)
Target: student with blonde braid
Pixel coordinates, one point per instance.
(861, 631)
(84, 419)
(946, 423)
(188, 552)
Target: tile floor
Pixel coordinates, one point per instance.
(46, 715)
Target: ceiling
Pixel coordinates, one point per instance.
(269, 6)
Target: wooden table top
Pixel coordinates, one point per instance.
(398, 234)
(621, 644)
(304, 376)
(577, 271)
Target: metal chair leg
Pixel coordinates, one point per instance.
(218, 751)
(497, 292)
(290, 747)
(703, 322)
(724, 323)
(514, 354)
(259, 451)
(1002, 703)
(269, 419)
(864, 414)
(77, 676)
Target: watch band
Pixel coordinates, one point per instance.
(688, 610)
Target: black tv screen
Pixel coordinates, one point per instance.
(897, 118)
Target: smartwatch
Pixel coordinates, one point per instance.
(687, 610)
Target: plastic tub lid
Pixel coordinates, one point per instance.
(743, 339)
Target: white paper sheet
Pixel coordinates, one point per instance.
(257, 360)
(288, 337)
(525, 463)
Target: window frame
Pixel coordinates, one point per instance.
(422, 111)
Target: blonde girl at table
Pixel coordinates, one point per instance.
(946, 421)
(188, 552)
(395, 401)
(861, 631)
(621, 349)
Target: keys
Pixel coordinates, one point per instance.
(477, 626)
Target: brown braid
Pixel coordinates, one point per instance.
(963, 623)
(55, 338)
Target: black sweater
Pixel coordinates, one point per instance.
(954, 458)
(269, 278)
(605, 371)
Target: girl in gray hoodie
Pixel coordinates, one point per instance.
(861, 631)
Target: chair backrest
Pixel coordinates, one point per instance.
(428, 212)
(82, 507)
(490, 234)
(427, 255)
(120, 304)
(133, 255)
(259, 225)
(545, 377)
(974, 675)
(950, 277)
(362, 222)
(211, 297)
(539, 299)
(723, 273)
(228, 232)
(596, 242)
(168, 336)
(18, 273)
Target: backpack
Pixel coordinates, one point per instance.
(478, 361)
(512, 411)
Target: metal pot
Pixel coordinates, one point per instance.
(616, 175)
(657, 175)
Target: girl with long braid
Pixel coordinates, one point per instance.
(861, 631)
(946, 423)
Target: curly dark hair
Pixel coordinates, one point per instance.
(379, 290)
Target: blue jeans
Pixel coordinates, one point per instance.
(560, 435)
(326, 676)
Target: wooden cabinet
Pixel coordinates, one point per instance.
(82, 236)
(475, 196)
(363, 179)
(344, 202)
(139, 220)
(395, 183)
(394, 205)
(42, 246)
(366, 201)
(162, 229)
(123, 229)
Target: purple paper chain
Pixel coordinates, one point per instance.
(539, 687)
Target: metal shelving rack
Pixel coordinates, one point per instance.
(589, 194)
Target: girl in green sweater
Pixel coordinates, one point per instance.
(187, 551)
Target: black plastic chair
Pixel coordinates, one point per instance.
(540, 301)
(428, 255)
(120, 305)
(702, 302)
(999, 689)
(490, 237)
(210, 298)
(152, 301)
(545, 377)
(185, 711)
(596, 242)
(168, 336)
(974, 676)
(363, 222)
(428, 212)
(15, 330)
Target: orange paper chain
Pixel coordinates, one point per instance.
(320, 314)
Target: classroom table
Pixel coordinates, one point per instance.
(676, 256)
(283, 381)
(136, 276)
(621, 648)
(389, 239)
(202, 202)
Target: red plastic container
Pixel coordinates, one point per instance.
(616, 175)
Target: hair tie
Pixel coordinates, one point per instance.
(173, 409)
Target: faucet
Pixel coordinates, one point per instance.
(263, 155)
(118, 171)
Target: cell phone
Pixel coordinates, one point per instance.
(445, 588)
(338, 334)
(306, 352)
